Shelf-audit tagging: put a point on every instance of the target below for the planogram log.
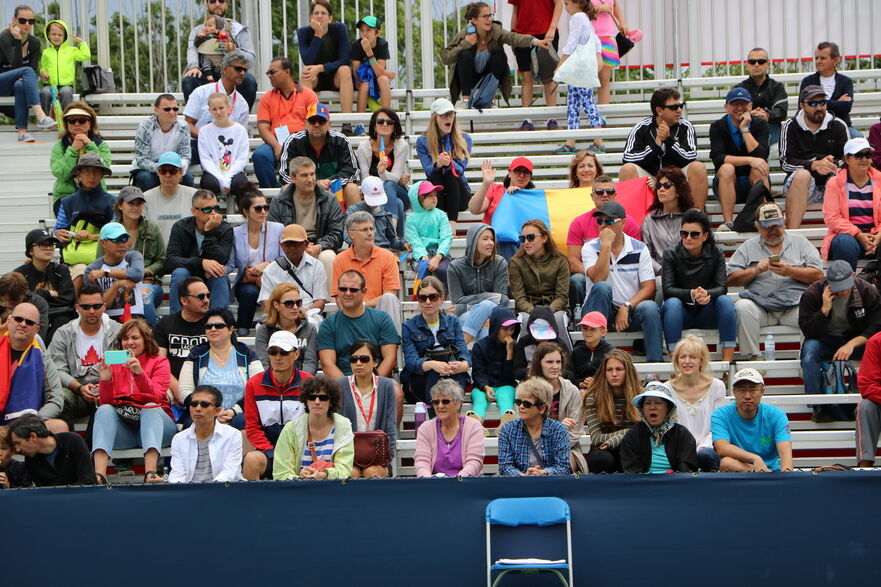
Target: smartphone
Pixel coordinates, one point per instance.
(116, 357)
(774, 259)
(470, 29)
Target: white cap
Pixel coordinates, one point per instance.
(748, 374)
(442, 106)
(374, 192)
(854, 146)
(284, 340)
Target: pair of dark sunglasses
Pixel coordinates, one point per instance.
(171, 109)
(606, 221)
(757, 61)
(240, 68)
(665, 184)
(260, 208)
(816, 103)
(678, 106)
(351, 290)
(21, 319)
(87, 307)
(201, 404)
(276, 352)
(200, 297)
(167, 170)
(291, 303)
(321, 397)
(216, 325)
(123, 238)
(526, 403)
(527, 237)
(27, 20)
(354, 359)
(602, 192)
(385, 121)
(77, 120)
(862, 155)
(694, 234)
(432, 297)
(445, 401)
(208, 209)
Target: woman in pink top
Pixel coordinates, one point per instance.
(134, 410)
(606, 29)
(449, 445)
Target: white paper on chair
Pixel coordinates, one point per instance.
(529, 561)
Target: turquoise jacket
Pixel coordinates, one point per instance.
(59, 63)
(427, 228)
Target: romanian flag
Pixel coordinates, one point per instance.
(557, 208)
(336, 188)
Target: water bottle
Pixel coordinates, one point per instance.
(165, 474)
(770, 348)
(418, 415)
(576, 316)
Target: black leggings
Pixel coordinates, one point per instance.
(497, 65)
(238, 184)
(604, 461)
(454, 197)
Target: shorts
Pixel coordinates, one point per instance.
(77, 270)
(524, 60)
(324, 83)
(741, 188)
(610, 52)
(815, 192)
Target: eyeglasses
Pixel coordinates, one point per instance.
(240, 68)
(20, 319)
(816, 103)
(121, 239)
(167, 170)
(860, 155)
(757, 61)
(351, 290)
(665, 184)
(695, 234)
(77, 120)
(291, 303)
(200, 297)
(527, 237)
(216, 325)
(432, 297)
(445, 401)
(602, 192)
(295, 243)
(526, 403)
(171, 109)
(354, 359)
(385, 121)
(365, 229)
(318, 397)
(260, 208)
(606, 221)
(521, 171)
(26, 20)
(87, 307)
(209, 209)
(486, 16)
(201, 404)
(276, 352)
(678, 106)
(48, 245)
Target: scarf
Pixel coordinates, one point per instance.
(25, 377)
(659, 432)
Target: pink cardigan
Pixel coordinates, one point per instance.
(835, 210)
(472, 448)
(150, 387)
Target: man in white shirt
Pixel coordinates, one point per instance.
(297, 267)
(621, 280)
(171, 200)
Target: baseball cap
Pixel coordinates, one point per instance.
(130, 193)
(113, 230)
(594, 320)
(37, 236)
(839, 276)
(653, 389)
(170, 158)
(811, 91)
(541, 329)
(426, 187)
(293, 233)
(374, 192)
(854, 146)
(611, 209)
(442, 106)
(370, 21)
(511, 322)
(748, 374)
(738, 95)
(92, 160)
(284, 340)
(521, 162)
(769, 215)
(318, 109)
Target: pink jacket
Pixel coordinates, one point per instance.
(150, 387)
(835, 210)
(472, 448)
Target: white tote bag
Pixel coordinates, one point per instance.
(580, 69)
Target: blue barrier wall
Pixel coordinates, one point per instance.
(747, 529)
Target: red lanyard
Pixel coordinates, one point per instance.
(357, 395)
(235, 96)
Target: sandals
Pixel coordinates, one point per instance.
(152, 477)
(101, 479)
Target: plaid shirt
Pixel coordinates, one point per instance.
(514, 449)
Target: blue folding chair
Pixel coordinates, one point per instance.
(528, 527)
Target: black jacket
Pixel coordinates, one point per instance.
(863, 312)
(73, 463)
(329, 218)
(770, 97)
(182, 248)
(10, 52)
(57, 277)
(585, 362)
(679, 150)
(799, 147)
(681, 273)
(679, 444)
(336, 160)
(525, 347)
(722, 143)
(489, 363)
(843, 85)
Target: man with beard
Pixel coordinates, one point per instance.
(177, 333)
(774, 268)
(811, 146)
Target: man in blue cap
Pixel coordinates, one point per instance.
(118, 273)
(739, 150)
(172, 199)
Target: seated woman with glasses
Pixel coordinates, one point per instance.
(80, 135)
(284, 311)
(222, 362)
(48, 279)
(449, 445)
(535, 444)
(318, 444)
(385, 156)
(660, 228)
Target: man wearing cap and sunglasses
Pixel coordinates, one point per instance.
(171, 200)
(811, 146)
(119, 273)
(768, 95)
(159, 134)
(774, 268)
(748, 435)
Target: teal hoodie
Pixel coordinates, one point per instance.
(427, 228)
(59, 63)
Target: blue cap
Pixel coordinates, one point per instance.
(738, 95)
(170, 158)
(113, 230)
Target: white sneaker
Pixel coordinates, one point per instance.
(25, 137)
(726, 227)
(46, 123)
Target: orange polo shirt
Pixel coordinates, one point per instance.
(277, 110)
(380, 270)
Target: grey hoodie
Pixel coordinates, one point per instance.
(65, 352)
(470, 284)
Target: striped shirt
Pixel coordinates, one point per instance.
(203, 472)
(859, 205)
(594, 427)
(323, 450)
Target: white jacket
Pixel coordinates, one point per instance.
(224, 448)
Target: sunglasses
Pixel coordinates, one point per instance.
(816, 103)
(678, 106)
(757, 61)
(860, 155)
(27, 20)
(123, 238)
(694, 234)
(272, 71)
(276, 352)
(291, 303)
(260, 208)
(200, 297)
(318, 397)
(445, 401)
(87, 307)
(605, 192)
(526, 403)
(216, 325)
(606, 221)
(201, 404)
(432, 297)
(20, 319)
(351, 290)
(354, 359)
(385, 121)
(317, 120)
(209, 209)
(167, 170)
(665, 184)
(527, 237)
(216, 1)
(77, 120)
(240, 68)
(295, 243)
(171, 109)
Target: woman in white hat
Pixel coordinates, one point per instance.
(79, 135)
(658, 444)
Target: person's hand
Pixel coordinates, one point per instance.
(471, 39)
(228, 45)
(82, 235)
(134, 365)
(310, 72)
(760, 112)
(214, 220)
(89, 392)
(824, 166)
(313, 250)
(225, 416)
(444, 159)
(569, 423)
(324, 183)
(604, 446)
(44, 76)
(490, 393)
(845, 98)
(763, 266)
(405, 179)
(489, 172)
(758, 465)
(509, 342)
(663, 132)
(700, 296)
(382, 165)
(607, 236)
(434, 262)
(105, 372)
(4, 481)
(828, 297)
(212, 268)
(457, 367)
(278, 150)
(781, 268)
(844, 353)
(622, 26)
(194, 72)
(871, 244)
(319, 26)
(365, 45)
(307, 473)
(390, 74)
(62, 235)
(76, 38)
(78, 142)
(18, 34)
(745, 121)
(95, 274)
(535, 472)
(622, 319)
(543, 43)
(436, 366)
(759, 164)
(586, 383)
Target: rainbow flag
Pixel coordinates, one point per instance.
(557, 208)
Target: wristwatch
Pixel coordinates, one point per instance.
(106, 273)
(628, 305)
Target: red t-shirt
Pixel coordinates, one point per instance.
(494, 194)
(533, 16)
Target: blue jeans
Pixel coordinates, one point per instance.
(577, 289)
(707, 460)
(845, 247)
(773, 134)
(265, 166)
(112, 432)
(218, 286)
(815, 351)
(473, 320)
(248, 87)
(718, 315)
(152, 299)
(147, 180)
(645, 317)
(21, 83)
(246, 294)
(398, 202)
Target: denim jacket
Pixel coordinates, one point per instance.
(417, 338)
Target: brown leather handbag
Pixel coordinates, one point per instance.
(372, 448)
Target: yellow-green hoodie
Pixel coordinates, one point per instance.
(59, 63)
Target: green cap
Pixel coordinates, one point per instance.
(369, 21)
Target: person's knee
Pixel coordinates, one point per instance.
(730, 465)
(726, 173)
(603, 288)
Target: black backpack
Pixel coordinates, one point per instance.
(758, 195)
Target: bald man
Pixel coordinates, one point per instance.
(30, 383)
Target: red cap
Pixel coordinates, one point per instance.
(594, 320)
(521, 162)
